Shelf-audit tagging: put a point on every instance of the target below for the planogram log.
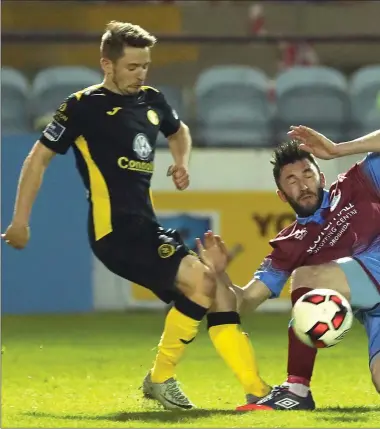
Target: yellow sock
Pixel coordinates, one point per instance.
(236, 350)
(179, 331)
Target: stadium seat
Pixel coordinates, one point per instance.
(364, 94)
(233, 108)
(174, 97)
(14, 101)
(52, 85)
(313, 96)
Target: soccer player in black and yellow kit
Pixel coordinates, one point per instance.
(112, 128)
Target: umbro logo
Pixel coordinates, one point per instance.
(114, 111)
(287, 403)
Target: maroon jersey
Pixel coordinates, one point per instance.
(346, 224)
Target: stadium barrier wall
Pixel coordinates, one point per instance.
(232, 192)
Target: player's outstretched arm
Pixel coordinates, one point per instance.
(368, 143)
(217, 255)
(33, 169)
(323, 148)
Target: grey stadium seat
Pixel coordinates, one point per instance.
(233, 107)
(313, 96)
(14, 101)
(364, 93)
(52, 85)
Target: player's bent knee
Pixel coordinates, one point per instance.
(375, 372)
(324, 276)
(225, 300)
(195, 278)
(305, 277)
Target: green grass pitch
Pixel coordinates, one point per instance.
(85, 371)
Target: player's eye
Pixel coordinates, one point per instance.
(132, 68)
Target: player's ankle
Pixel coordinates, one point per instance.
(298, 385)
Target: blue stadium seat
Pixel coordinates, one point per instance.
(14, 101)
(313, 96)
(52, 85)
(233, 108)
(364, 93)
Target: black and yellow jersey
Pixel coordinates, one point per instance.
(114, 140)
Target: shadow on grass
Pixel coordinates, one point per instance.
(375, 409)
(162, 416)
(179, 416)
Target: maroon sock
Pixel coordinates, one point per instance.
(301, 357)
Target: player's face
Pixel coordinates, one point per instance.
(129, 72)
(302, 187)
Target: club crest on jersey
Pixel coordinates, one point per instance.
(335, 200)
(153, 117)
(166, 250)
(300, 234)
(141, 146)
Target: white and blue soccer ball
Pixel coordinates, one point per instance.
(321, 318)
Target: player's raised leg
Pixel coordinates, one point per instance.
(345, 276)
(295, 393)
(234, 345)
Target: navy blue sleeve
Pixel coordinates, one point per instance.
(371, 168)
(62, 131)
(170, 123)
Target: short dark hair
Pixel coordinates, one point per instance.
(118, 35)
(287, 153)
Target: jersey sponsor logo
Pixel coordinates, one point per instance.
(334, 229)
(141, 146)
(166, 250)
(54, 131)
(153, 117)
(113, 111)
(133, 165)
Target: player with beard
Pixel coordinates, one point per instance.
(334, 243)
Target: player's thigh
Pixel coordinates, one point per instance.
(146, 254)
(193, 277)
(324, 276)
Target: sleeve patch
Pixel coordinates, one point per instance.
(54, 131)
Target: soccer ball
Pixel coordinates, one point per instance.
(321, 318)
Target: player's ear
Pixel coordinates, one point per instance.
(106, 65)
(281, 195)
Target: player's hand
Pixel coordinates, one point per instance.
(314, 142)
(213, 253)
(16, 235)
(180, 176)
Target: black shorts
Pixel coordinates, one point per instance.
(143, 252)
